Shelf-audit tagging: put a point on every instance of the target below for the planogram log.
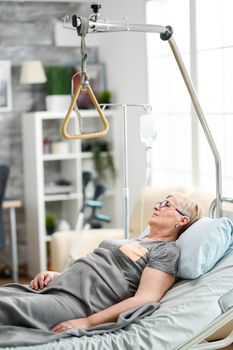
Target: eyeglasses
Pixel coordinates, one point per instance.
(167, 204)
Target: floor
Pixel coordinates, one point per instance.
(22, 280)
(5, 276)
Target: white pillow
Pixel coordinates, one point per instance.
(202, 245)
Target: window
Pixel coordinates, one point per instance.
(169, 97)
(181, 154)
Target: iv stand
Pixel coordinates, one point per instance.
(101, 26)
(147, 109)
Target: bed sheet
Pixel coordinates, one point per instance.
(186, 309)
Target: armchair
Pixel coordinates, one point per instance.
(62, 241)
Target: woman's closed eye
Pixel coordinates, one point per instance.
(164, 203)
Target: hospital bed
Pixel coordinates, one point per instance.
(192, 310)
(188, 313)
(191, 313)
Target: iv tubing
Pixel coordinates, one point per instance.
(147, 180)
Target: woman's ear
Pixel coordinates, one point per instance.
(184, 220)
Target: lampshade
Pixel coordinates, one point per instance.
(32, 72)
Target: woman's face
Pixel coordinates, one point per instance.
(166, 214)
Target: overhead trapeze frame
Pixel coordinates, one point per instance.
(93, 25)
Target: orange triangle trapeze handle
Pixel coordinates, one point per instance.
(66, 120)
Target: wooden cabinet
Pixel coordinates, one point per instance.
(53, 170)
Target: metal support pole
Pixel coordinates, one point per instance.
(14, 255)
(126, 172)
(203, 122)
(147, 108)
(105, 25)
(166, 35)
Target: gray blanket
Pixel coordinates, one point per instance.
(185, 310)
(21, 336)
(91, 284)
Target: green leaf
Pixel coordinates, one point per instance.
(58, 80)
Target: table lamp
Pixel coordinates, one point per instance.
(32, 72)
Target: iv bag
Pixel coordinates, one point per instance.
(148, 129)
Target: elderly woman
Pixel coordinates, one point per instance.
(117, 276)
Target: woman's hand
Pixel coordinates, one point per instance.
(43, 279)
(81, 323)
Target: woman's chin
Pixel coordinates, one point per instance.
(152, 220)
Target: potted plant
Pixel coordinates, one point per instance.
(103, 160)
(58, 87)
(105, 96)
(50, 224)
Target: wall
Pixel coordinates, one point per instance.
(27, 32)
(125, 57)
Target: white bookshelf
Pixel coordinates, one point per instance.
(40, 168)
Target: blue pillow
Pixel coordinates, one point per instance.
(202, 245)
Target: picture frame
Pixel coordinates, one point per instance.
(97, 76)
(97, 79)
(5, 86)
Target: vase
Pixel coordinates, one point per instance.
(57, 102)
